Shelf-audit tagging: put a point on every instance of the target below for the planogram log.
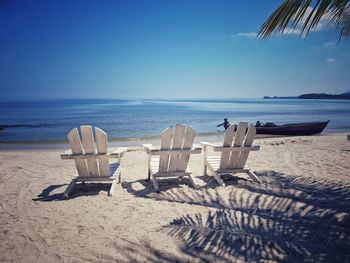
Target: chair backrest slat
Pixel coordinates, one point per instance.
(102, 148)
(237, 136)
(177, 144)
(85, 144)
(225, 156)
(187, 144)
(89, 147)
(166, 139)
(238, 141)
(179, 138)
(76, 147)
(247, 143)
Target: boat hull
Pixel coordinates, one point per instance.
(294, 129)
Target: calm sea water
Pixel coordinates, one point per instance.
(51, 120)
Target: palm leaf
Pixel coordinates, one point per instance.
(296, 13)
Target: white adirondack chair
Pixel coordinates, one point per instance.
(237, 144)
(92, 158)
(171, 158)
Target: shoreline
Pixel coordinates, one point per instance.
(137, 142)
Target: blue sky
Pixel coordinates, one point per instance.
(160, 49)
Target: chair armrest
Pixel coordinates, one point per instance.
(66, 154)
(119, 152)
(236, 148)
(114, 154)
(206, 144)
(196, 147)
(149, 148)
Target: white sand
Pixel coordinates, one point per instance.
(300, 213)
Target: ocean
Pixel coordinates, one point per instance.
(50, 120)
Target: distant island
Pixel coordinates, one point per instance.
(343, 96)
(277, 97)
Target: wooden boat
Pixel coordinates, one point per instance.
(294, 129)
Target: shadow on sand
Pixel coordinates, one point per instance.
(86, 189)
(285, 219)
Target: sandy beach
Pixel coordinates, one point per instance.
(301, 211)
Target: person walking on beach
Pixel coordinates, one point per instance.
(226, 124)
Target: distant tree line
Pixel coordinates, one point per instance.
(343, 96)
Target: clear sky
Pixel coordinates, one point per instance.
(160, 49)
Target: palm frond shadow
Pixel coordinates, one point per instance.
(276, 186)
(144, 253)
(288, 219)
(292, 220)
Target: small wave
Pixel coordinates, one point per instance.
(210, 133)
(121, 139)
(40, 125)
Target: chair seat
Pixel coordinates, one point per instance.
(214, 162)
(238, 142)
(154, 163)
(173, 154)
(113, 169)
(89, 149)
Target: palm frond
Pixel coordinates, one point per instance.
(305, 15)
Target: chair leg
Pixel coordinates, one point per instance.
(194, 185)
(69, 189)
(155, 184)
(119, 177)
(205, 169)
(149, 175)
(111, 191)
(254, 177)
(219, 180)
